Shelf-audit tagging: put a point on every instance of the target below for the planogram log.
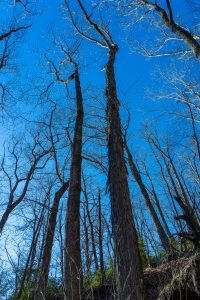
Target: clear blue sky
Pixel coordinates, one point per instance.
(135, 74)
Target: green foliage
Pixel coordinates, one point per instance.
(54, 291)
(143, 253)
(109, 273)
(186, 245)
(95, 280)
(27, 293)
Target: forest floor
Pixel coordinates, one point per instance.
(173, 279)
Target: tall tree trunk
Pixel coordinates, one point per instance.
(100, 233)
(125, 236)
(169, 190)
(91, 231)
(136, 174)
(34, 243)
(181, 187)
(161, 213)
(4, 218)
(87, 247)
(72, 251)
(93, 239)
(46, 255)
(91, 225)
(159, 206)
(127, 254)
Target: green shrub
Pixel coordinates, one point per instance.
(143, 253)
(54, 291)
(95, 280)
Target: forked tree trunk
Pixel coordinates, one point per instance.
(72, 251)
(136, 174)
(125, 236)
(46, 255)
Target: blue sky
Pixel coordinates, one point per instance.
(133, 71)
(137, 76)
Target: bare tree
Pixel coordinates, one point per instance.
(147, 9)
(136, 173)
(72, 252)
(91, 225)
(19, 181)
(11, 33)
(126, 250)
(179, 189)
(28, 269)
(48, 245)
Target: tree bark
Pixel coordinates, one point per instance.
(87, 247)
(72, 251)
(129, 268)
(91, 232)
(127, 254)
(100, 233)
